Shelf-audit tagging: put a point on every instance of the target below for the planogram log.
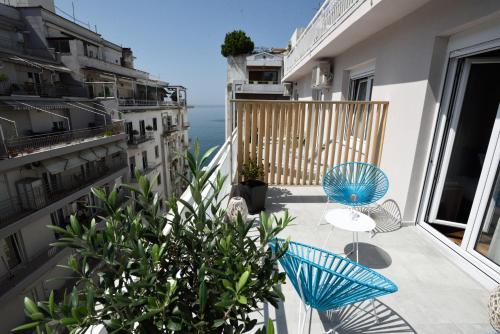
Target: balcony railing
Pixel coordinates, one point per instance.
(328, 17)
(298, 141)
(13, 279)
(139, 139)
(186, 125)
(125, 102)
(169, 129)
(17, 146)
(16, 207)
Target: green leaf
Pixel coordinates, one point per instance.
(243, 280)
(218, 323)
(270, 327)
(242, 299)
(52, 304)
(30, 306)
(202, 295)
(174, 326)
(227, 284)
(68, 321)
(26, 326)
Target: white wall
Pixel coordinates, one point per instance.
(409, 62)
(37, 237)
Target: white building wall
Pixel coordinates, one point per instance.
(409, 64)
(37, 237)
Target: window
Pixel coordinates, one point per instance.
(155, 124)
(263, 77)
(142, 128)
(11, 251)
(60, 45)
(57, 126)
(159, 179)
(144, 160)
(129, 130)
(360, 89)
(131, 163)
(157, 152)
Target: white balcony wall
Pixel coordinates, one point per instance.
(410, 59)
(12, 314)
(37, 237)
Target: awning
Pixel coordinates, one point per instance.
(99, 151)
(73, 161)
(33, 105)
(112, 149)
(39, 64)
(123, 145)
(88, 155)
(54, 165)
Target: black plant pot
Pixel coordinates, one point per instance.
(254, 192)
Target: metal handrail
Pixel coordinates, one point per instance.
(326, 18)
(29, 144)
(15, 208)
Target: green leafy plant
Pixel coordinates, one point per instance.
(3, 77)
(236, 43)
(187, 272)
(252, 170)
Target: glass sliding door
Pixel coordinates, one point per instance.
(468, 147)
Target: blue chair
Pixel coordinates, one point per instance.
(326, 281)
(355, 184)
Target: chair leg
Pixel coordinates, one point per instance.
(325, 210)
(375, 313)
(306, 313)
(300, 317)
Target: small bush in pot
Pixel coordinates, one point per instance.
(253, 189)
(186, 272)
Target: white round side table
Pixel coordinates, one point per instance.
(350, 220)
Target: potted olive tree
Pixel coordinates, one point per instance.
(253, 189)
(142, 271)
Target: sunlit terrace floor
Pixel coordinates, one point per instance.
(435, 295)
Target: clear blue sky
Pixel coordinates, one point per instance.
(180, 39)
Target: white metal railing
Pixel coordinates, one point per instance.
(140, 102)
(330, 14)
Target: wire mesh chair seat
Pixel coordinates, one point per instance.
(355, 184)
(326, 281)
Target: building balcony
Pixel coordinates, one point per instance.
(170, 129)
(186, 125)
(101, 65)
(8, 88)
(34, 199)
(16, 147)
(136, 140)
(435, 294)
(15, 282)
(260, 88)
(126, 102)
(336, 28)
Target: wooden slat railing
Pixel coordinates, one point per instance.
(298, 141)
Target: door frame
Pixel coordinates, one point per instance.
(483, 267)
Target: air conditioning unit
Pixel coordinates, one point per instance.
(288, 89)
(322, 75)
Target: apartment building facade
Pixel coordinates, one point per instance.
(436, 62)
(157, 136)
(65, 97)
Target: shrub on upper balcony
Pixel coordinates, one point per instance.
(205, 275)
(236, 43)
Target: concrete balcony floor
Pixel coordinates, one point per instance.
(435, 295)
